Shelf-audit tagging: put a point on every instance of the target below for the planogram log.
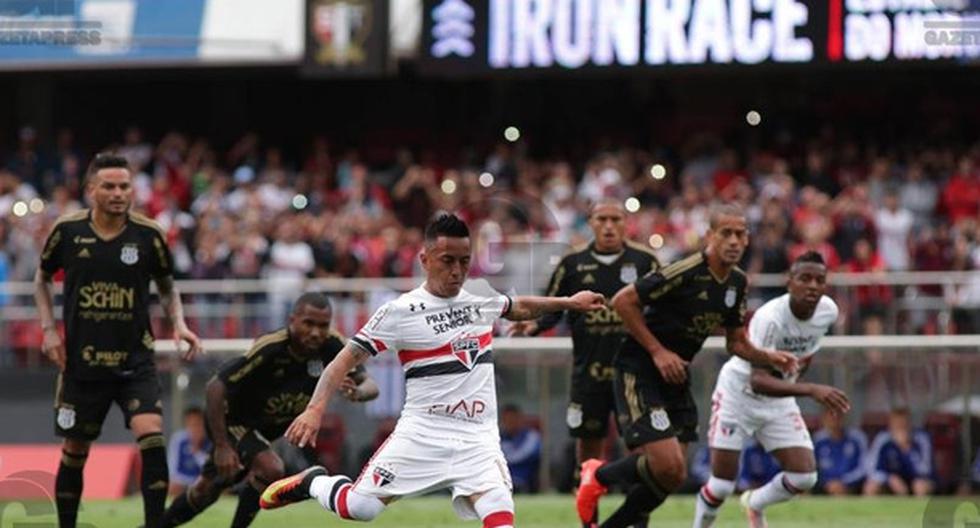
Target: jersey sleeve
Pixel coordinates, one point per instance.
(496, 306)
(654, 285)
(381, 331)
(162, 263)
(557, 287)
(237, 372)
(762, 329)
(51, 256)
(736, 316)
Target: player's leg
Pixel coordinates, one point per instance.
(785, 436)
(649, 478)
(588, 423)
(494, 507)
(80, 409)
(139, 400)
(730, 426)
(202, 493)
(265, 468)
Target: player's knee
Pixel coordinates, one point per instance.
(267, 468)
(670, 472)
(801, 482)
(719, 489)
(495, 508)
(362, 507)
(76, 447)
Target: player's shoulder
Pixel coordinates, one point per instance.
(71, 220)
(686, 265)
(740, 275)
(147, 224)
(267, 342)
(643, 252)
(775, 307)
(827, 311)
(336, 339)
(575, 254)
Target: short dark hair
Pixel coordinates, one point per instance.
(314, 299)
(105, 160)
(724, 209)
(810, 257)
(447, 225)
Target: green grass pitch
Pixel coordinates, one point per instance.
(545, 511)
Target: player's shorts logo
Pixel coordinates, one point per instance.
(573, 417)
(730, 295)
(627, 274)
(130, 254)
(466, 349)
(382, 476)
(66, 418)
(659, 419)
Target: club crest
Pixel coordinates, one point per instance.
(627, 273)
(466, 349)
(66, 418)
(382, 476)
(659, 419)
(130, 254)
(730, 296)
(314, 368)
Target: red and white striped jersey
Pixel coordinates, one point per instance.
(445, 348)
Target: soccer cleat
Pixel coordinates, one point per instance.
(589, 491)
(757, 519)
(290, 489)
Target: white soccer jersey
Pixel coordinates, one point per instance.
(444, 346)
(775, 327)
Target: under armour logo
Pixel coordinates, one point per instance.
(411, 307)
(453, 29)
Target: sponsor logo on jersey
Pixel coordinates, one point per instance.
(130, 254)
(627, 273)
(589, 279)
(84, 253)
(84, 240)
(703, 296)
(467, 411)
(659, 419)
(730, 295)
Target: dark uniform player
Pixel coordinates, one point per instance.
(109, 256)
(253, 399)
(668, 314)
(605, 265)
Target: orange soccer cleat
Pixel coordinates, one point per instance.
(290, 489)
(589, 490)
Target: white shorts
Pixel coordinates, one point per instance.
(415, 464)
(735, 417)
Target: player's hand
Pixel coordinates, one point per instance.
(522, 328)
(784, 361)
(182, 333)
(586, 301)
(832, 398)
(305, 428)
(54, 348)
(226, 461)
(671, 366)
(348, 389)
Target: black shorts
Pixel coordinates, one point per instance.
(80, 406)
(649, 409)
(592, 403)
(247, 443)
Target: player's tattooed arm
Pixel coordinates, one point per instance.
(738, 344)
(627, 304)
(526, 307)
(225, 458)
(763, 382)
(170, 300)
(304, 429)
(53, 347)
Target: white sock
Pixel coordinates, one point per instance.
(779, 489)
(710, 498)
(321, 489)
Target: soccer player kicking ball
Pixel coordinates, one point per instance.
(447, 434)
(752, 401)
(668, 314)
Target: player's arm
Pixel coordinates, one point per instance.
(737, 343)
(629, 306)
(526, 307)
(358, 386)
(170, 300)
(306, 426)
(763, 382)
(53, 347)
(215, 403)
(557, 287)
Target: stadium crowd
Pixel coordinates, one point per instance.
(249, 212)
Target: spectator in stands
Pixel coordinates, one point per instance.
(965, 298)
(894, 224)
(290, 261)
(187, 451)
(840, 454)
(521, 445)
(961, 196)
(755, 467)
(919, 195)
(872, 298)
(900, 459)
(853, 220)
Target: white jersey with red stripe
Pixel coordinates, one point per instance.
(445, 348)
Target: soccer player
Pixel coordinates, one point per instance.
(605, 265)
(109, 256)
(668, 314)
(252, 400)
(447, 434)
(752, 401)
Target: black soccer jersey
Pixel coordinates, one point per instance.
(107, 293)
(596, 335)
(271, 384)
(684, 303)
